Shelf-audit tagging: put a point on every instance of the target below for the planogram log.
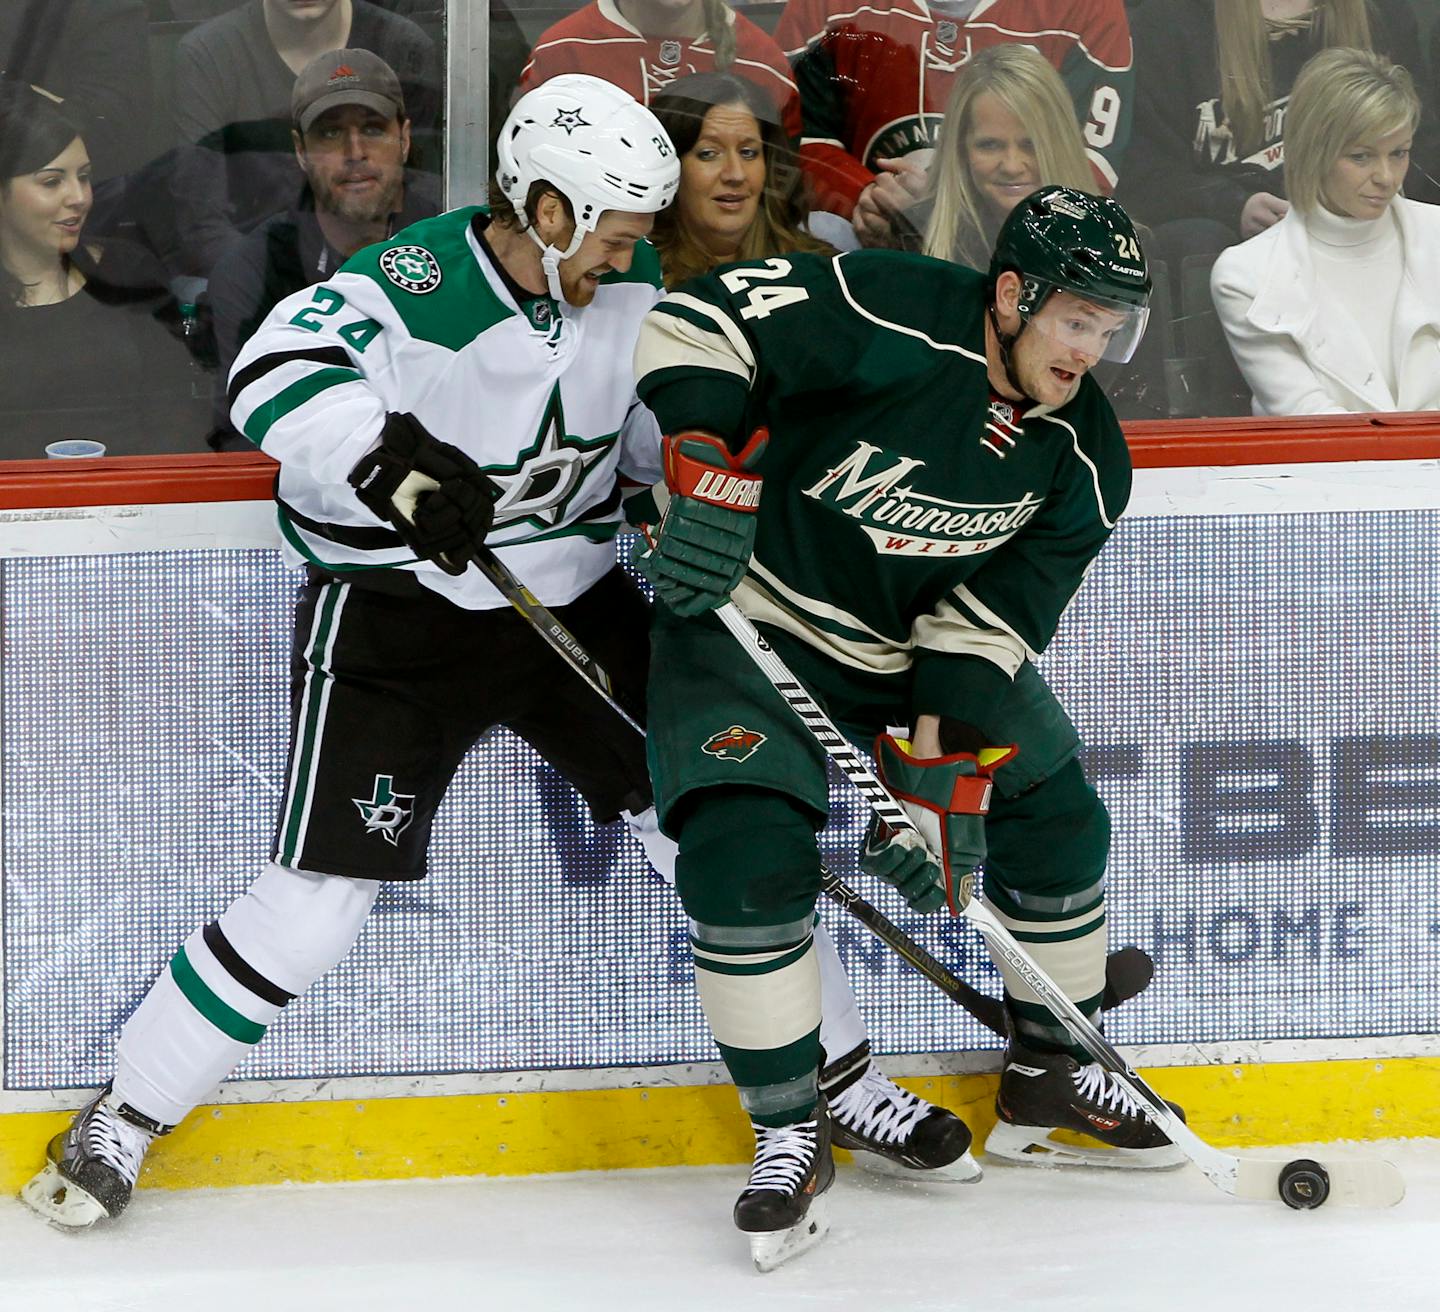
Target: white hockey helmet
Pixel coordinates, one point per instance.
(595, 144)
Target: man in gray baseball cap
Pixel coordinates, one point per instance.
(351, 138)
(345, 77)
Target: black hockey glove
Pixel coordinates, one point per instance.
(439, 500)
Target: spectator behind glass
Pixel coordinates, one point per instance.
(1214, 80)
(874, 80)
(1009, 128)
(351, 138)
(233, 80)
(642, 46)
(1336, 308)
(739, 197)
(88, 353)
(94, 56)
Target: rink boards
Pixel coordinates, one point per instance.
(1251, 664)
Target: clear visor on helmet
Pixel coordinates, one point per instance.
(1093, 325)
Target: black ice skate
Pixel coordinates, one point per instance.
(1045, 1092)
(93, 1165)
(890, 1130)
(782, 1208)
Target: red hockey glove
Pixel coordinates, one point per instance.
(948, 798)
(705, 538)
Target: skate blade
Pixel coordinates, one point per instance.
(61, 1201)
(963, 1170)
(773, 1248)
(1032, 1145)
(1354, 1182)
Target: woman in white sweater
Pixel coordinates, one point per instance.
(1336, 309)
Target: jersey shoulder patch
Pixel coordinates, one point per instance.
(644, 267)
(433, 281)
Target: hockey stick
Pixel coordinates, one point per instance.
(543, 621)
(987, 1010)
(1301, 1183)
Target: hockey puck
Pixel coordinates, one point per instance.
(1304, 1184)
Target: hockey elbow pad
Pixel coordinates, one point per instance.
(440, 502)
(948, 798)
(705, 538)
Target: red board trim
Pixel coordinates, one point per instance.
(1168, 444)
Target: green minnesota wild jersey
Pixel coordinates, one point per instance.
(539, 394)
(917, 534)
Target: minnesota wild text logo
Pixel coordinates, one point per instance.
(385, 812)
(734, 744)
(877, 487)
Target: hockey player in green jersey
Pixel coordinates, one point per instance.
(901, 472)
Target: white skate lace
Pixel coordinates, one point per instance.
(783, 1157)
(106, 1135)
(878, 1108)
(1097, 1085)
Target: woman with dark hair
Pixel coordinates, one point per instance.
(740, 196)
(88, 353)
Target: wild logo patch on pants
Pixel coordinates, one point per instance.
(385, 812)
(734, 744)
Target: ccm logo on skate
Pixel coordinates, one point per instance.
(1101, 1122)
(735, 744)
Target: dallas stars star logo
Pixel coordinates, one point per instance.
(385, 812)
(569, 119)
(542, 483)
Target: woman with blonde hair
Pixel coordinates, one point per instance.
(1009, 128)
(740, 196)
(1214, 80)
(1336, 308)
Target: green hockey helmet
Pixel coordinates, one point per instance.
(1061, 239)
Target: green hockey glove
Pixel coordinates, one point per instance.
(706, 535)
(439, 501)
(948, 798)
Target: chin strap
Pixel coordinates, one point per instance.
(550, 257)
(1006, 342)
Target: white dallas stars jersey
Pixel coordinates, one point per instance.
(544, 401)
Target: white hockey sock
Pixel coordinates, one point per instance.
(841, 1028)
(660, 851)
(229, 980)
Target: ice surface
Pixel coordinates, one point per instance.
(1021, 1240)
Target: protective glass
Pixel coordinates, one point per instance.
(1109, 330)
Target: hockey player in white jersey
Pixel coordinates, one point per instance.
(466, 384)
